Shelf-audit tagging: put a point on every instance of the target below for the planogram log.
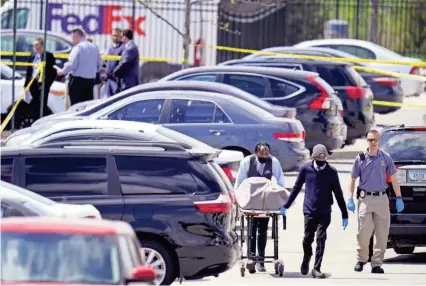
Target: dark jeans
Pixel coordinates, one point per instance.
(318, 224)
(259, 227)
(80, 89)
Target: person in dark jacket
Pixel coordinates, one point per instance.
(111, 83)
(36, 87)
(321, 181)
(127, 69)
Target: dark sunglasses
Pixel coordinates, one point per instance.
(372, 140)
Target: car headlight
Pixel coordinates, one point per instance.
(401, 175)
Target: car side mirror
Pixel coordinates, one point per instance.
(142, 274)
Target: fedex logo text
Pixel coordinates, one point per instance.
(92, 24)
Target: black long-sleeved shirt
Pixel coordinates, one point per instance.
(319, 186)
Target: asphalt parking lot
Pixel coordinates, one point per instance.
(339, 258)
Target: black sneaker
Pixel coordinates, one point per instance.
(377, 270)
(359, 266)
(317, 274)
(304, 268)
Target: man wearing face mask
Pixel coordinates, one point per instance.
(260, 164)
(321, 181)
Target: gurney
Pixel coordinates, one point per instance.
(257, 197)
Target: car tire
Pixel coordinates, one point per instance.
(160, 252)
(404, 250)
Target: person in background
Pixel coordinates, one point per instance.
(83, 64)
(35, 91)
(97, 87)
(373, 201)
(111, 83)
(127, 69)
(260, 164)
(321, 181)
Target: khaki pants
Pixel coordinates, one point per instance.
(373, 215)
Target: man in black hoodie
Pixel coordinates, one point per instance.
(321, 181)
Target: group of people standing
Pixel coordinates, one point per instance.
(321, 181)
(84, 69)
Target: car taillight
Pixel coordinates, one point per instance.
(229, 173)
(221, 205)
(356, 92)
(322, 101)
(388, 81)
(290, 136)
(414, 70)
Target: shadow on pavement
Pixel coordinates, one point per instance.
(291, 275)
(416, 258)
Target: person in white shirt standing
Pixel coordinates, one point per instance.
(83, 64)
(260, 164)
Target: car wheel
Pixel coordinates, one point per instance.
(404, 250)
(156, 256)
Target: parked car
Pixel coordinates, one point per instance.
(55, 102)
(174, 198)
(219, 120)
(54, 251)
(317, 106)
(369, 50)
(56, 43)
(407, 147)
(110, 130)
(354, 93)
(384, 88)
(95, 105)
(35, 204)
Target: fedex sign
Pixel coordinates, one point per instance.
(99, 23)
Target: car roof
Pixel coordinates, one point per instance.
(403, 127)
(46, 224)
(313, 49)
(183, 84)
(278, 59)
(243, 69)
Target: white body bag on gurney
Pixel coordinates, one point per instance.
(258, 193)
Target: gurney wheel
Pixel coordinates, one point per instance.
(242, 271)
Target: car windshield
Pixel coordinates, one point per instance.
(404, 145)
(7, 72)
(53, 257)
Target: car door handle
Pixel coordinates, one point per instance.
(216, 130)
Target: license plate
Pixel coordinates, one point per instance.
(417, 176)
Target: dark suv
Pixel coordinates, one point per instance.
(407, 147)
(353, 91)
(177, 200)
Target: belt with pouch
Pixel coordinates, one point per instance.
(364, 193)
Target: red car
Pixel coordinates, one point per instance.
(54, 251)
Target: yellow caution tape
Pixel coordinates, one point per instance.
(397, 104)
(350, 60)
(393, 74)
(18, 64)
(104, 57)
(39, 68)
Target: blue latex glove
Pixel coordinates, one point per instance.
(345, 223)
(283, 210)
(399, 205)
(351, 205)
